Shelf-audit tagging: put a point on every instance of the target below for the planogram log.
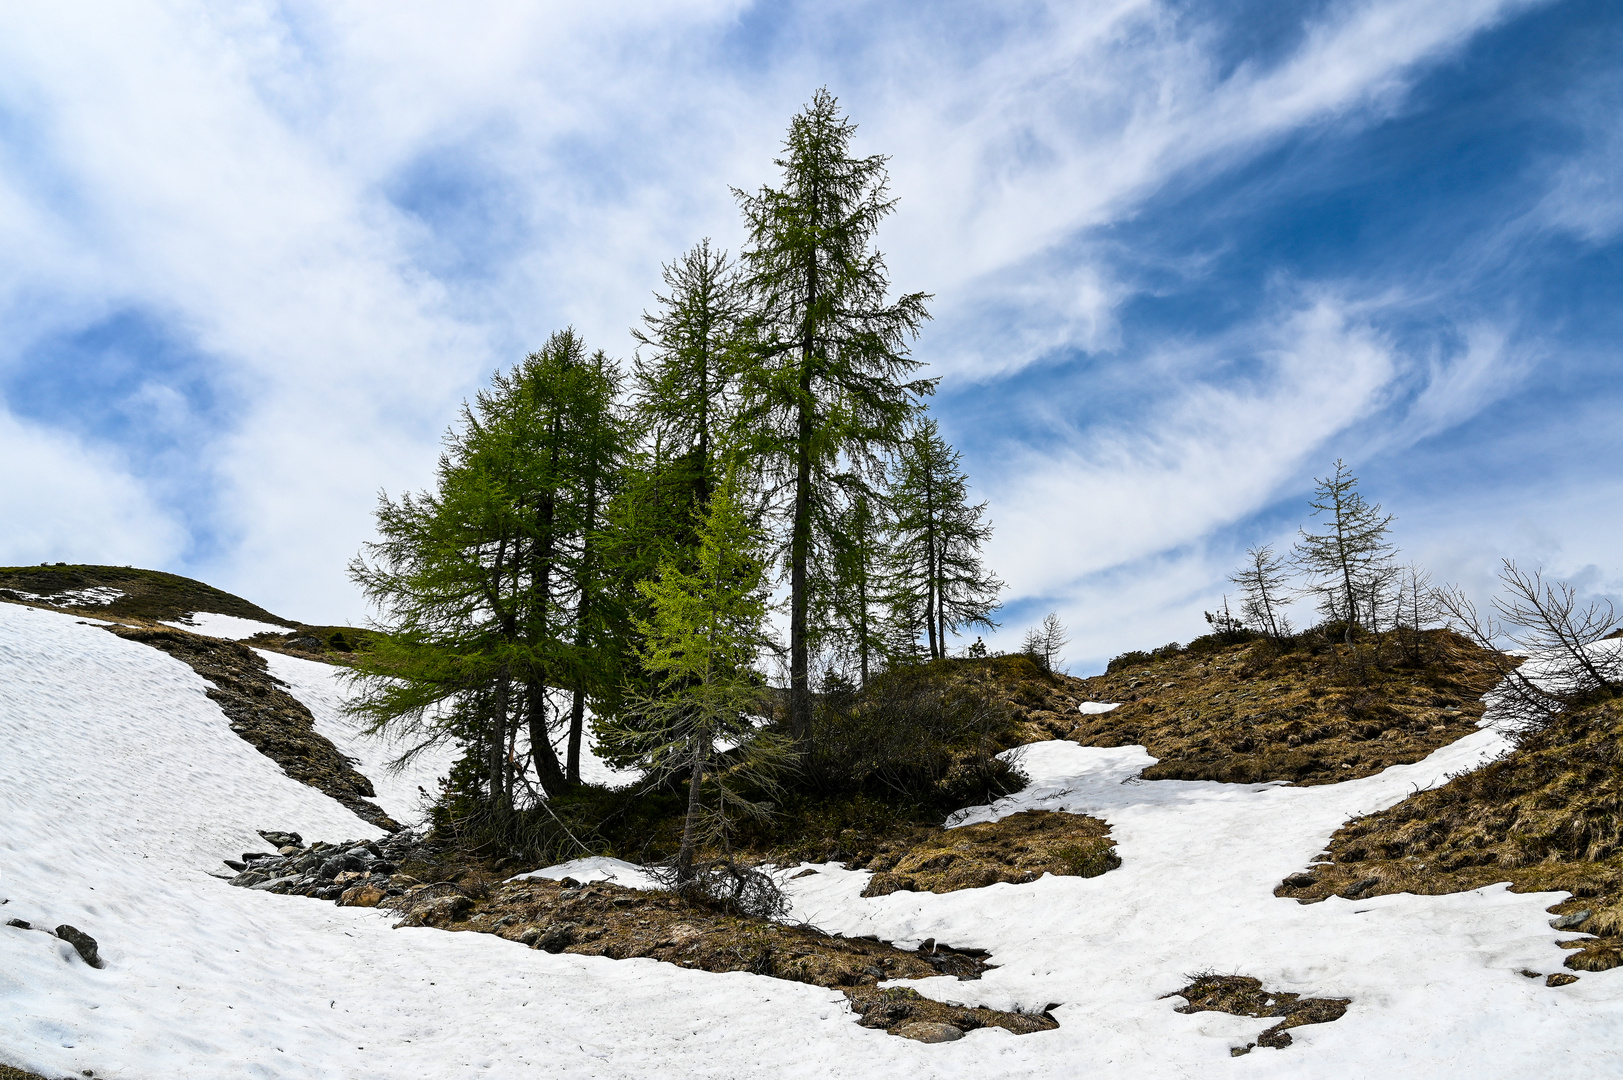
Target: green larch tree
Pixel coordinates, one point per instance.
(828, 386)
(703, 635)
(936, 539)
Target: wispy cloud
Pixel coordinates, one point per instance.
(347, 214)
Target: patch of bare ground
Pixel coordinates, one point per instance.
(1546, 817)
(143, 594)
(1241, 995)
(605, 919)
(1015, 849)
(266, 716)
(9, 1073)
(1319, 712)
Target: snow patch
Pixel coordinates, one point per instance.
(597, 868)
(1093, 708)
(213, 624)
(95, 596)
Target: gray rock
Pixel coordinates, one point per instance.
(267, 886)
(236, 864)
(928, 1031)
(21, 924)
(1570, 921)
(282, 839)
(1299, 881)
(82, 943)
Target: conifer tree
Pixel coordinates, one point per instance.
(701, 640)
(854, 607)
(686, 385)
(828, 386)
(936, 538)
(486, 584)
(1349, 562)
(1265, 590)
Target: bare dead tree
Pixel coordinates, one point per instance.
(1416, 610)
(1265, 590)
(1561, 666)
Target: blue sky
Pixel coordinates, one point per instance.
(1184, 256)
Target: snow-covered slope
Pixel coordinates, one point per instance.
(121, 786)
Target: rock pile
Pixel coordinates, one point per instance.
(355, 873)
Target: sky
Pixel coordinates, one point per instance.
(1183, 257)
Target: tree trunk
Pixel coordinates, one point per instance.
(799, 551)
(547, 770)
(577, 708)
(690, 826)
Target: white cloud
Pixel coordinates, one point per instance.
(229, 167)
(64, 502)
(1205, 455)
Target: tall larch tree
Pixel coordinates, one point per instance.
(829, 386)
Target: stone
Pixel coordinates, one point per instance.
(1354, 891)
(282, 839)
(274, 884)
(236, 864)
(361, 896)
(289, 849)
(21, 924)
(1299, 881)
(804, 873)
(347, 877)
(1560, 978)
(82, 943)
(1571, 921)
(928, 1031)
(556, 938)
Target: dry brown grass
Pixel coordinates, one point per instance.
(9, 1073)
(1546, 817)
(1241, 995)
(1016, 849)
(604, 919)
(1319, 713)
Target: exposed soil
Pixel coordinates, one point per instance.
(605, 919)
(1016, 849)
(267, 717)
(8, 1073)
(146, 594)
(1241, 995)
(1319, 713)
(1547, 816)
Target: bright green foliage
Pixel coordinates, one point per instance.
(829, 386)
(700, 643)
(938, 579)
(487, 584)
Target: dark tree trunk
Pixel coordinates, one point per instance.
(690, 826)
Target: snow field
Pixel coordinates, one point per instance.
(121, 787)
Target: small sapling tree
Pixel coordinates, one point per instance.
(1264, 590)
(1349, 561)
(701, 639)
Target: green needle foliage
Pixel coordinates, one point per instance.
(939, 580)
(700, 642)
(489, 584)
(829, 386)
